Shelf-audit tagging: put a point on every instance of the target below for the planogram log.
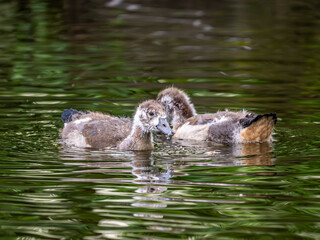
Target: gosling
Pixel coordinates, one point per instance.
(103, 131)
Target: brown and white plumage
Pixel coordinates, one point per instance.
(97, 130)
(221, 127)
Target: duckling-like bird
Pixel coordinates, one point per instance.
(221, 127)
(102, 131)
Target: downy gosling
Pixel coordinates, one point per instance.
(102, 131)
(220, 127)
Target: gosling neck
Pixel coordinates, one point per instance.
(181, 114)
(139, 139)
(177, 105)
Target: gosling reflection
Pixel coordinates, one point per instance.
(150, 195)
(149, 174)
(259, 154)
(144, 168)
(228, 155)
(152, 177)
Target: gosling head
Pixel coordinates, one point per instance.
(178, 106)
(151, 116)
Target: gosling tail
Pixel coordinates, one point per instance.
(67, 114)
(257, 128)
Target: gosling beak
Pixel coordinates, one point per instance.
(164, 127)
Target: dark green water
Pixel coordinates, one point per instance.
(95, 55)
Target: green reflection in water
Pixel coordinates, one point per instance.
(86, 55)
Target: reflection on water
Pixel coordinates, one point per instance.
(153, 179)
(109, 55)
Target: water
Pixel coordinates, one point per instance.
(109, 56)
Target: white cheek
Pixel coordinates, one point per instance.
(139, 114)
(155, 121)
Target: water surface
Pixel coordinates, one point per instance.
(109, 56)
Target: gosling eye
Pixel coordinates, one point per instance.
(151, 113)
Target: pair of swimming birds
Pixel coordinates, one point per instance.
(172, 106)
